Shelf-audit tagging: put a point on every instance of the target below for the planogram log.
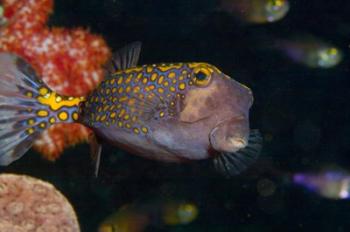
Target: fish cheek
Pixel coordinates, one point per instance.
(199, 103)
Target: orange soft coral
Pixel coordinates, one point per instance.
(70, 61)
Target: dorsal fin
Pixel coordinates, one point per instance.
(126, 57)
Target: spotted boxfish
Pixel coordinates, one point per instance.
(172, 112)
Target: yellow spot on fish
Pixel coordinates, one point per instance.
(126, 117)
(136, 131)
(121, 113)
(154, 76)
(112, 81)
(120, 124)
(172, 75)
(103, 118)
(160, 90)
(42, 125)
(42, 113)
(114, 90)
(165, 83)
(112, 115)
(138, 77)
(172, 89)
(120, 80)
(127, 125)
(43, 91)
(174, 81)
(58, 98)
(144, 129)
(63, 116)
(52, 120)
(128, 89)
(29, 94)
(149, 69)
(30, 130)
(123, 98)
(127, 81)
(31, 121)
(75, 116)
(182, 86)
(108, 91)
(136, 89)
(134, 118)
(161, 114)
(144, 80)
(120, 90)
(160, 80)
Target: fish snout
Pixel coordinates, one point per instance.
(230, 135)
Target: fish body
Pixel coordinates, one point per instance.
(168, 112)
(310, 51)
(331, 184)
(137, 216)
(257, 11)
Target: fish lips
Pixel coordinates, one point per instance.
(229, 135)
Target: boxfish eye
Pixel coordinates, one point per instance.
(202, 76)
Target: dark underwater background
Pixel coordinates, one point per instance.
(303, 114)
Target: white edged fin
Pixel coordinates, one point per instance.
(124, 58)
(16, 79)
(230, 164)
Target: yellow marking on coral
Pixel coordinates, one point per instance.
(75, 116)
(30, 130)
(29, 94)
(63, 116)
(161, 114)
(51, 101)
(120, 90)
(31, 121)
(42, 125)
(144, 129)
(182, 86)
(127, 81)
(154, 76)
(52, 120)
(160, 80)
(120, 80)
(136, 131)
(171, 75)
(160, 90)
(112, 115)
(43, 91)
(42, 113)
(172, 89)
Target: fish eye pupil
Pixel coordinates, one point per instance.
(201, 76)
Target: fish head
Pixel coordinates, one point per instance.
(221, 106)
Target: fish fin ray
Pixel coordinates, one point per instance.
(126, 57)
(230, 164)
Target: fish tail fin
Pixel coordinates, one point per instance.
(27, 107)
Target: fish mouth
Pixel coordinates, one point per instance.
(229, 135)
(234, 162)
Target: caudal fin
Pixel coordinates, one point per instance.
(25, 107)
